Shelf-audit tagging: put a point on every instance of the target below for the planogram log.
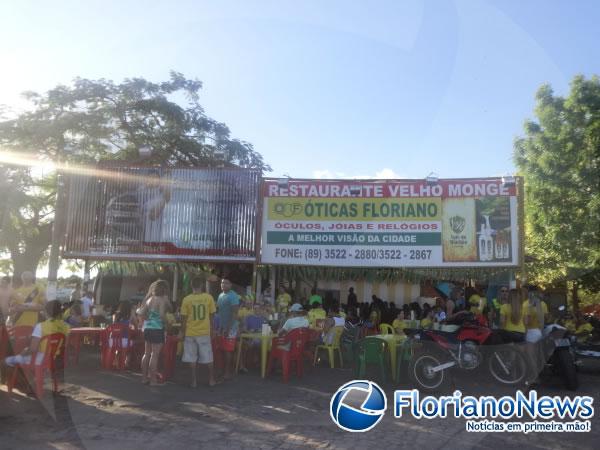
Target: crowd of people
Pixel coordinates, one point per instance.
(206, 325)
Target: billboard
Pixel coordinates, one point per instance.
(163, 214)
(392, 223)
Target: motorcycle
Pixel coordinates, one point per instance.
(559, 354)
(465, 346)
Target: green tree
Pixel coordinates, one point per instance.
(94, 120)
(559, 157)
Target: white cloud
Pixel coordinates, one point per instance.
(385, 173)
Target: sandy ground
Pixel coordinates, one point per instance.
(113, 410)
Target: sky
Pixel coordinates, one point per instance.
(328, 89)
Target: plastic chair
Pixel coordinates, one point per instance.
(331, 348)
(287, 349)
(55, 347)
(351, 335)
(404, 352)
(4, 342)
(371, 351)
(19, 338)
(384, 328)
(169, 355)
(112, 346)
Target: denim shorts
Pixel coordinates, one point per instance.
(154, 335)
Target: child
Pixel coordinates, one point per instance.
(197, 313)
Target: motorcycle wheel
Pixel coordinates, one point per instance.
(567, 368)
(420, 371)
(507, 365)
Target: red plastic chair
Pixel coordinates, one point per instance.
(4, 342)
(169, 355)
(111, 342)
(295, 339)
(19, 338)
(55, 347)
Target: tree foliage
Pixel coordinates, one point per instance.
(559, 157)
(97, 120)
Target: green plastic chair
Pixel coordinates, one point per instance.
(371, 351)
(384, 328)
(405, 353)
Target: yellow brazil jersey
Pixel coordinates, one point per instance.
(244, 312)
(426, 323)
(316, 314)
(585, 328)
(283, 302)
(27, 295)
(52, 326)
(506, 313)
(531, 312)
(197, 308)
(398, 324)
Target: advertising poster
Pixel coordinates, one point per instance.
(392, 223)
(151, 213)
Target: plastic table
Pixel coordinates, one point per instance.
(393, 341)
(264, 349)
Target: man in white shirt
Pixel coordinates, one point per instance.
(298, 320)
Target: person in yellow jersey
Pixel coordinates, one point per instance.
(316, 313)
(53, 325)
(197, 313)
(246, 309)
(535, 315)
(283, 301)
(26, 302)
(511, 317)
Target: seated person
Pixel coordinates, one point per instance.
(297, 319)
(333, 321)
(476, 304)
(73, 316)
(316, 313)
(124, 315)
(399, 323)
(427, 321)
(53, 325)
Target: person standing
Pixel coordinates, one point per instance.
(497, 303)
(154, 311)
(197, 313)
(314, 298)
(535, 315)
(87, 302)
(283, 301)
(5, 292)
(352, 301)
(26, 302)
(228, 305)
(511, 317)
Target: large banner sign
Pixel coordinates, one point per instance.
(163, 214)
(394, 223)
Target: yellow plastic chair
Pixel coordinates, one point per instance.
(331, 348)
(384, 328)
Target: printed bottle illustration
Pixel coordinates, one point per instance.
(486, 240)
